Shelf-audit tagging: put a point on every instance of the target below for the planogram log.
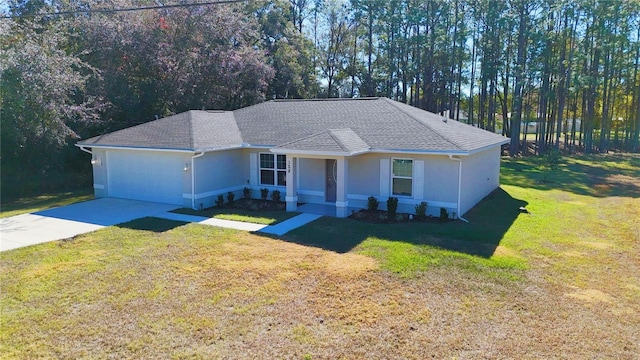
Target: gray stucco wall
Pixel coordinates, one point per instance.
(480, 176)
(219, 173)
(223, 171)
(100, 184)
(439, 185)
(313, 178)
(127, 172)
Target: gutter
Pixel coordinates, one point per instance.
(138, 148)
(85, 150)
(94, 161)
(459, 185)
(193, 179)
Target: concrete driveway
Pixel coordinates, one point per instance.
(71, 220)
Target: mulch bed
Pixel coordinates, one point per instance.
(382, 217)
(256, 205)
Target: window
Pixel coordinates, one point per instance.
(402, 177)
(273, 169)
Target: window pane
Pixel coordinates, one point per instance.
(266, 177)
(402, 167)
(282, 178)
(266, 161)
(282, 162)
(402, 186)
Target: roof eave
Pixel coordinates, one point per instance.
(149, 148)
(310, 152)
(483, 148)
(137, 148)
(421, 152)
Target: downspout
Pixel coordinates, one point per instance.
(94, 161)
(193, 180)
(459, 186)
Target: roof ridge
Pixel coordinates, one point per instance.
(393, 103)
(303, 138)
(192, 141)
(327, 99)
(338, 140)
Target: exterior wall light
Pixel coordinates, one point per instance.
(96, 162)
(186, 167)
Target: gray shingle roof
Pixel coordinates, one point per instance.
(190, 130)
(331, 125)
(344, 141)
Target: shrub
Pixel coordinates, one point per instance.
(275, 196)
(421, 210)
(230, 196)
(264, 193)
(246, 193)
(372, 203)
(392, 207)
(444, 214)
(551, 159)
(220, 200)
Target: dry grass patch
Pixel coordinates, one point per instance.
(591, 296)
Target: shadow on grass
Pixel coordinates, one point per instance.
(489, 221)
(590, 175)
(237, 212)
(43, 201)
(153, 224)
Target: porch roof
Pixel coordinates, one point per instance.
(333, 141)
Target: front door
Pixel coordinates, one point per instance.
(332, 180)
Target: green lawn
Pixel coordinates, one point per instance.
(561, 282)
(43, 202)
(227, 213)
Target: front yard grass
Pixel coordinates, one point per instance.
(561, 282)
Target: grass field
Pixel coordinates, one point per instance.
(561, 282)
(42, 202)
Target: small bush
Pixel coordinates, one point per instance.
(372, 203)
(275, 196)
(421, 210)
(246, 193)
(392, 207)
(551, 159)
(220, 200)
(264, 193)
(230, 197)
(444, 214)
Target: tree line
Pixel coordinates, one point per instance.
(559, 74)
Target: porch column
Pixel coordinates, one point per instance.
(291, 196)
(342, 205)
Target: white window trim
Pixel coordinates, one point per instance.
(393, 176)
(275, 169)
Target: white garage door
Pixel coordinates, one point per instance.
(145, 175)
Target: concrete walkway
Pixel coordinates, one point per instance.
(239, 225)
(80, 218)
(290, 224)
